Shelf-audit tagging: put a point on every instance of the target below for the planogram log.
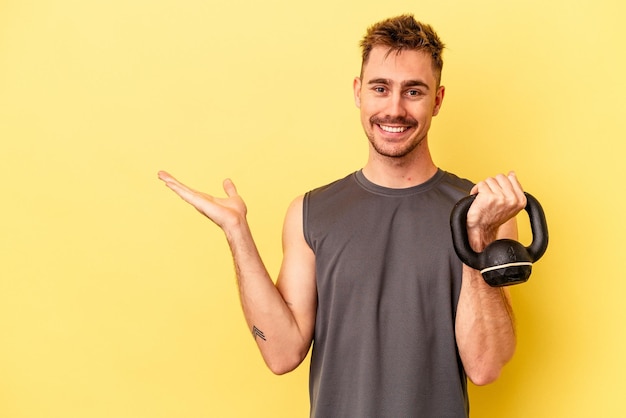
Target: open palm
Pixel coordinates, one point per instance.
(223, 211)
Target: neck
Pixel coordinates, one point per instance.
(399, 173)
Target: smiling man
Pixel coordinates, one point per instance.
(369, 276)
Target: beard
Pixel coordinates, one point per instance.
(394, 150)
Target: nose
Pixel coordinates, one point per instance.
(395, 106)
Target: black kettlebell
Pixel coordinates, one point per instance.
(504, 262)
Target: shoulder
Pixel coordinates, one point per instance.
(332, 193)
(332, 186)
(456, 181)
(455, 185)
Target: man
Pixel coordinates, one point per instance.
(369, 275)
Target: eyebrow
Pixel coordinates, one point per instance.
(404, 84)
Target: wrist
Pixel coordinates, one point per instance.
(235, 228)
(479, 238)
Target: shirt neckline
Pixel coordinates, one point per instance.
(388, 191)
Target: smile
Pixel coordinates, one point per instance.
(393, 129)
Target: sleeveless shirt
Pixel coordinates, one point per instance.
(388, 283)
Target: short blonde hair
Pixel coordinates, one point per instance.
(404, 33)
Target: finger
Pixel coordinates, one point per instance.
(517, 187)
(229, 188)
(512, 177)
(163, 175)
(504, 184)
(172, 182)
(481, 186)
(509, 184)
(186, 193)
(509, 189)
(495, 190)
(492, 186)
(168, 178)
(181, 190)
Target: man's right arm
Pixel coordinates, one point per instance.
(281, 317)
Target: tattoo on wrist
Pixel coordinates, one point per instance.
(258, 333)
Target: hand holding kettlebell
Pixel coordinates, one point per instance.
(503, 262)
(501, 198)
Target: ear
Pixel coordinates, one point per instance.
(441, 91)
(356, 86)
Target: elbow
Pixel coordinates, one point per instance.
(285, 363)
(484, 372)
(484, 377)
(280, 370)
(282, 367)
(486, 367)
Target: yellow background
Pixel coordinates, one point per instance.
(118, 300)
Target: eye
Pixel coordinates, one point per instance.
(414, 93)
(379, 89)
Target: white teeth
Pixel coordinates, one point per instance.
(393, 129)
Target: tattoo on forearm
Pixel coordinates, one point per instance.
(258, 333)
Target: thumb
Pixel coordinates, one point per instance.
(229, 188)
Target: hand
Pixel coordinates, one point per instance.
(222, 211)
(498, 200)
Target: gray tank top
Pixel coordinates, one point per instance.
(388, 283)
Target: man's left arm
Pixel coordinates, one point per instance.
(485, 327)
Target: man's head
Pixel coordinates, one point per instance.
(403, 33)
(399, 91)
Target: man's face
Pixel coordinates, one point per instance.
(398, 96)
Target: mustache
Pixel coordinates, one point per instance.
(398, 120)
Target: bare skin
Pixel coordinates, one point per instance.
(397, 95)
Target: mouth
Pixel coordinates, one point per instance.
(393, 129)
(393, 126)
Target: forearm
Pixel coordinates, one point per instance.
(267, 314)
(485, 328)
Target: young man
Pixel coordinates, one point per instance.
(369, 274)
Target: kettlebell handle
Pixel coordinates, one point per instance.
(484, 261)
